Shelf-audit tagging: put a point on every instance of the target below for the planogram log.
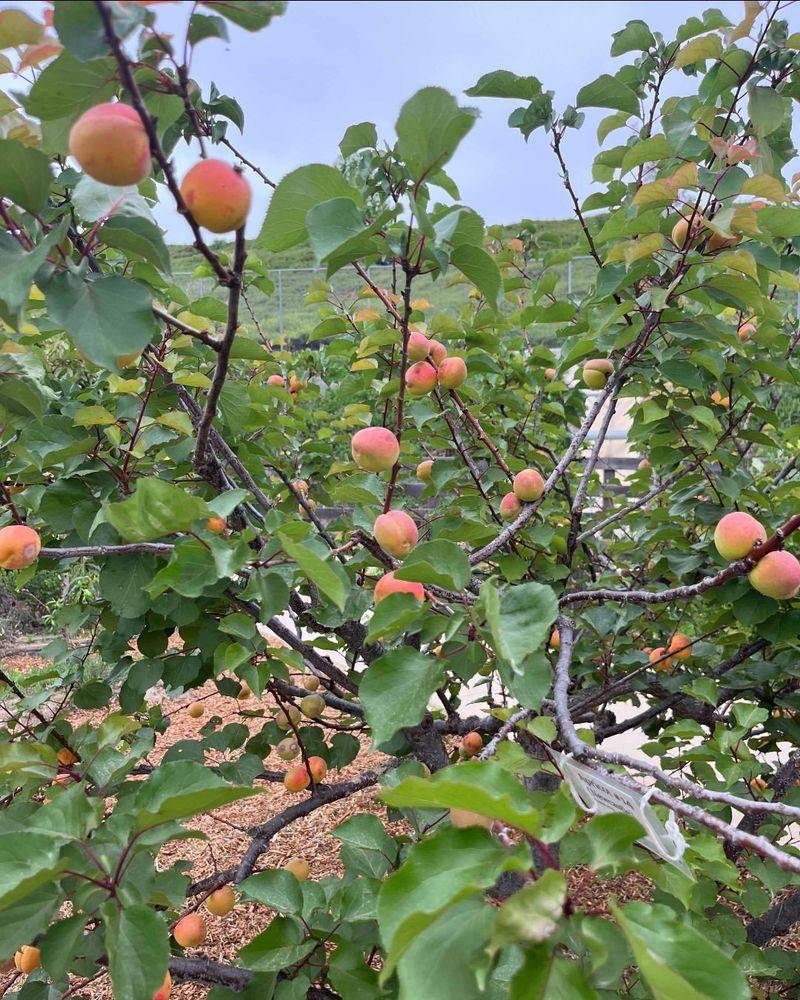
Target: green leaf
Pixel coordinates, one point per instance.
(22, 922)
(18, 269)
(106, 318)
(440, 563)
(137, 237)
(322, 572)
(277, 889)
(155, 509)
(479, 266)
(767, 109)
(699, 50)
(453, 945)
(429, 128)
(25, 175)
(438, 871)
(395, 690)
(282, 944)
(634, 37)
(202, 26)
(252, 15)
(298, 192)
(646, 151)
(138, 950)
(532, 914)
(60, 945)
(519, 618)
(502, 83)
(331, 223)
(67, 87)
(677, 961)
(81, 31)
(361, 136)
(608, 92)
(26, 862)
(183, 789)
(480, 786)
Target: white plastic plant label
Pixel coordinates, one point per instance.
(599, 792)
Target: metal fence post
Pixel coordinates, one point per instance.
(280, 303)
(569, 277)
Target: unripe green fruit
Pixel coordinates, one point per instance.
(282, 718)
(312, 706)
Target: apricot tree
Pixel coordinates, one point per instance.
(397, 534)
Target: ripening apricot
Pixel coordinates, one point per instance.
(19, 546)
(288, 749)
(746, 331)
(420, 378)
(680, 646)
(195, 710)
(452, 373)
(297, 779)
(596, 372)
(528, 485)
(465, 817)
(276, 380)
(66, 757)
(776, 575)
(310, 503)
(395, 532)
(554, 642)
(757, 785)
(550, 373)
(300, 868)
(389, 585)
(216, 525)
(681, 230)
(111, 145)
(644, 464)
(720, 400)
(222, 901)
(656, 655)
(311, 682)
(424, 470)
(438, 352)
(164, 990)
(419, 347)
(472, 743)
(27, 959)
(737, 533)
(516, 245)
(312, 706)
(375, 449)
(285, 718)
(217, 196)
(510, 506)
(190, 931)
(300, 486)
(318, 769)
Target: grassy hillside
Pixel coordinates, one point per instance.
(285, 316)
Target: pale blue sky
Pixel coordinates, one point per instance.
(325, 65)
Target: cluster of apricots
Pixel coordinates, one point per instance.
(112, 146)
(686, 235)
(431, 366)
(776, 574)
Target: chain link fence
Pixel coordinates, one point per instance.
(285, 315)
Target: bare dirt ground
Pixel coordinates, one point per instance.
(308, 838)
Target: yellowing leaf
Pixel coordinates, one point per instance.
(698, 50)
(684, 177)
(739, 260)
(745, 220)
(765, 186)
(93, 416)
(125, 386)
(177, 420)
(366, 315)
(365, 365)
(751, 11)
(655, 193)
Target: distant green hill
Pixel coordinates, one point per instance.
(284, 315)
